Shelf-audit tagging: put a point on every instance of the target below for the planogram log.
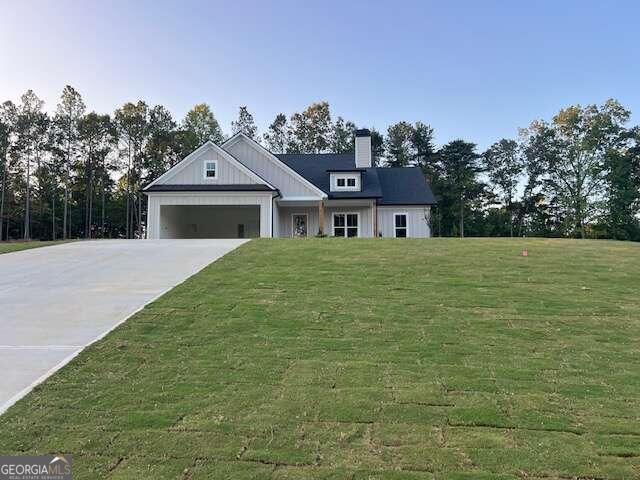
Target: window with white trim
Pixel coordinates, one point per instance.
(400, 225)
(346, 225)
(210, 169)
(346, 182)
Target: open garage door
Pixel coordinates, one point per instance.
(209, 221)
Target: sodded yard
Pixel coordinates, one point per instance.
(357, 359)
(8, 247)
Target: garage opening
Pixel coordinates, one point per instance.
(209, 221)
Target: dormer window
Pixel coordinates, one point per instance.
(345, 182)
(210, 169)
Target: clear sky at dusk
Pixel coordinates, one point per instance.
(476, 70)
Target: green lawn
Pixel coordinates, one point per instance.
(363, 359)
(8, 247)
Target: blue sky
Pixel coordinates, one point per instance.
(476, 70)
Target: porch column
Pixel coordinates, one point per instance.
(374, 211)
(321, 217)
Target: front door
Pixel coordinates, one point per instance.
(299, 222)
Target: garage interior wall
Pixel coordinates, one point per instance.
(209, 221)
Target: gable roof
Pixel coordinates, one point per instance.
(250, 141)
(193, 156)
(392, 186)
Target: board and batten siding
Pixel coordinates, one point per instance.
(273, 171)
(365, 219)
(156, 200)
(285, 223)
(193, 174)
(417, 220)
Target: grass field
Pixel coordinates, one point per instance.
(8, 247)
(363, 359)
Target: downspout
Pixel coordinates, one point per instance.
(273, 199)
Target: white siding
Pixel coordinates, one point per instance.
(363, 152)
(285, 219)
(417, 224)
(193, 174)
(285, 227)
(366, 225)
(273, 171)
(156, 200)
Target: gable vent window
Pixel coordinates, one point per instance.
(400, 224)
(210, 169)
(345, 182)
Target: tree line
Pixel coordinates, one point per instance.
(79, 174)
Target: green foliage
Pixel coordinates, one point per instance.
(310, 131)
(244, 123)
(398, 144)
(461, 193)
(199, 126)
(276, 138)
(343, 137)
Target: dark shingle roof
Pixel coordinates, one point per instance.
(405, 186)
(257, 187)
(315, 167)
(392, 186)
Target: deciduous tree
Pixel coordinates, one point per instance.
(201, 125)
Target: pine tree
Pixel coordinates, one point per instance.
(244, 123)
(276, 138)
(67, 116)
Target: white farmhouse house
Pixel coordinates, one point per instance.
(239, 189)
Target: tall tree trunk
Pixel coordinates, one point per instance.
(87, 193)
(27, 207)
(461, 218)
(54, 188)
(510, 218)
(128, 191)
(103, 201)
(65, 213)
(4, 182)
(139, 215)
(90, 217)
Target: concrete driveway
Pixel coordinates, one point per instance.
(54, 301)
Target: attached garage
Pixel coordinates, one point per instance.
(209, 221)
(209, 194)
(209, 214)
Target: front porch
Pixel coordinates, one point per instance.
(308, 218)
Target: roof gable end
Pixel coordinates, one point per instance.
(246, 173)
